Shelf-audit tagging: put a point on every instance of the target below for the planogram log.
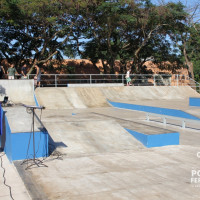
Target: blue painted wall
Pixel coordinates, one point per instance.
(194, 101)
(20, 144)
(156, 140)
(8, 146)
(156, 110)
(1, 120)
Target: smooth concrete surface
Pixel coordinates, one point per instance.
(94, 158)
(12, 180)
(69, 98)
(20, 119)
(18, 91)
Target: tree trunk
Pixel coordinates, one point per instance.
(191, 69)
(104, 67)
(188, 62)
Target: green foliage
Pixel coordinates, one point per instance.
(108, 30)
(134, 31)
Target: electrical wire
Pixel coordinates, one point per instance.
(30, 111)
(27, 156)
(40, 118)
(4, 178)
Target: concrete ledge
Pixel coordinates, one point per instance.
(96, 85)
(17, 137)
(155, 110)
(156, 140)
(194, 101)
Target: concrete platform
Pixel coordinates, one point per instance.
(17, 134)
(89, 162)
(93, 157)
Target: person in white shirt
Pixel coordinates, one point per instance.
(128, 79)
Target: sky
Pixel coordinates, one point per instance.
(189, 4)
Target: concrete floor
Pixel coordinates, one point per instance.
(94, 158)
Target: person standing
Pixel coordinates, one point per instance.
(38, 75)
(128, 79)
(2, 71)
(24, 71)
(11, 72)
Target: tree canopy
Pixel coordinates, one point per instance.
(125, 30)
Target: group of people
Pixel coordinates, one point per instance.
(12, 72)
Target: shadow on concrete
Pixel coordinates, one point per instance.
(2, 91)
(54, 145)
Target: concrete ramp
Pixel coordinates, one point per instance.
(84, 97)
(90, 137)
(18, 91)
(148, 93)
(68, 98)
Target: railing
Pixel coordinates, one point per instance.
(165, 117)
(60, 80)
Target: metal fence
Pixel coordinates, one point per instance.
(62, 80)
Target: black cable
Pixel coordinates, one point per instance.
(27, 156)
(40, 162)
(54, 152)
(40, 133)
(4, 178)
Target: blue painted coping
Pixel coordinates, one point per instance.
(194, 101)
(36, 101)
(156, 140)
(156, 110)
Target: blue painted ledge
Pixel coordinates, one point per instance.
(156, 110)
(157, 140)
(194, 101)
(19, 146)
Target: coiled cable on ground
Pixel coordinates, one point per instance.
(4, 178)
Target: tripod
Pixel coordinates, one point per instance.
(33, 161)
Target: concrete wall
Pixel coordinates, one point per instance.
(18, 91)
(156, 110)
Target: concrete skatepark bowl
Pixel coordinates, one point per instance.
(93, 156)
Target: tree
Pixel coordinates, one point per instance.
(36, 29)
(186, 37)
(135, 30)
